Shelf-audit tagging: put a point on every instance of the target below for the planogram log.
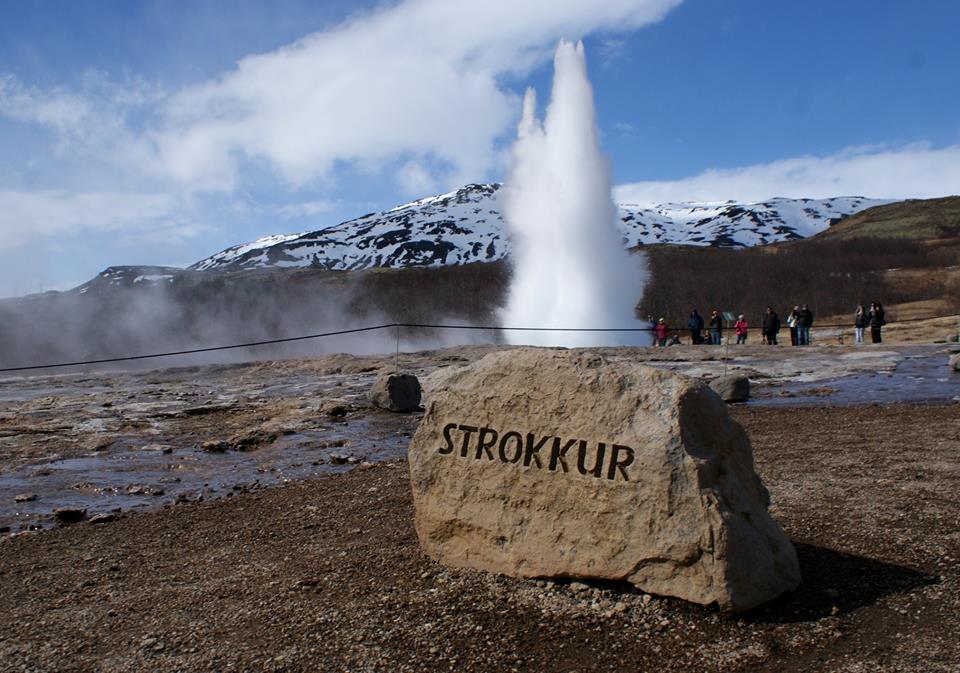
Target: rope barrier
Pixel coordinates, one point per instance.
(674, 328)
(208, 349)
(398, 326)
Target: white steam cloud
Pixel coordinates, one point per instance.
(570, 266)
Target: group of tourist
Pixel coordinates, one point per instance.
(874, 319)
(799, 322)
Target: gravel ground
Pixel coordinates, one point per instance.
(326, 575)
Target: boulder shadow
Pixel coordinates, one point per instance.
(835, 583)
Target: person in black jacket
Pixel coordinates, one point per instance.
(716, 327)
(804, 323)
(877, 321)
(695, 325)
(771, 326)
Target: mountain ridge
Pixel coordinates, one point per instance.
(467, 225)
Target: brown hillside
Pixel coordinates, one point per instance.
(933, 222)
(902, 254)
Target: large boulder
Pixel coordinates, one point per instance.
(396, 392)
(732, 387)
(551, 463)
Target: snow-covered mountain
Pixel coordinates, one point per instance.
(130, 276)
(467, 226)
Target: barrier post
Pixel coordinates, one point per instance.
(396, 360)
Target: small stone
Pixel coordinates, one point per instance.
(68, 515)
(955, 362)
(732, 388)
(214, 447)
(25, 497)
(103, 518)
(335, 408)
(396, 392)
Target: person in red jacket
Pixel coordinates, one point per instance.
(740, 327)
(662, 330)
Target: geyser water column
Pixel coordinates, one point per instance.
(570, 267)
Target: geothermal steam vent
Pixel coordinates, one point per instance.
(545, 463)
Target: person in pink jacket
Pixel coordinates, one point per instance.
(740, 327)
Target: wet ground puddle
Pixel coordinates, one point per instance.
(920, 377)
(116, 481)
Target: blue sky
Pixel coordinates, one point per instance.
(159, 132)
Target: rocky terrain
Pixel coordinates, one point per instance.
(327, 575)
(298, 573)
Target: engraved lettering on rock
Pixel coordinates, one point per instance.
(595, 459)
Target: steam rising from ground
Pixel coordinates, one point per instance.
(570, 265)
(203, 309)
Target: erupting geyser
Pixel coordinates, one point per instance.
(570, 268)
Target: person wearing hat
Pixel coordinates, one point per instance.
(740, 327)
(662, 330)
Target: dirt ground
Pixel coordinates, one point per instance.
(327, 575)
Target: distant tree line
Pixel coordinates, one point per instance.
(831, 275)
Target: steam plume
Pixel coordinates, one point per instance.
(570, 266)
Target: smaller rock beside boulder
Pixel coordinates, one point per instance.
(955, 362)
(243, 441)
(68, 515)
(396, 392)
(335, 408)
(732, 388)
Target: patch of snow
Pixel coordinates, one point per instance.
(153, 277)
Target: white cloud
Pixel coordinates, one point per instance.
(415, 179)
(625, 129)
(912, 171)
(611, 50)
(93, 121)
(420, 78)
(63, 111)
(49, 214)
(305, 209)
